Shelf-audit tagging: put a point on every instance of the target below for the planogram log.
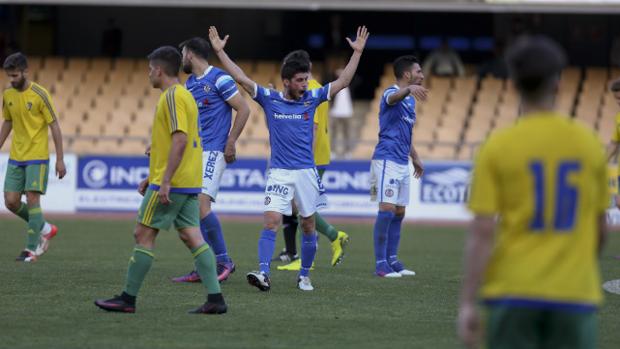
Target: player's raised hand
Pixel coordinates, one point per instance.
(61, 170)
(419, 92)
(360, 40)
(216, 43)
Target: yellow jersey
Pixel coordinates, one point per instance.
(176, 112)
(546, 179)
(30, 112)
(322, 151)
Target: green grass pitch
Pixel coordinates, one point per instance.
(49, 304)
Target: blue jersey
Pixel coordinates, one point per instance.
(211, 91)
(291, 125)
(395, 127)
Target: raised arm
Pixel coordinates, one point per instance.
(234, 70)
(349, 71)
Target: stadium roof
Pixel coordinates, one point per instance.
(557, 6)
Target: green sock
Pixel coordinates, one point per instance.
(139, 264)
(22, 212)
(35, 223)
(325, 228)
(204, 260)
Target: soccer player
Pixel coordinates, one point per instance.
(292, 174)
(389, 169)
(539, 194)
(338, 239)
(216, 95)
(171, 189)
(28, 111)
(614, 146)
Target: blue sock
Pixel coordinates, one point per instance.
(266, 247)
(382, 224)
(212, 233)
(393, 241)
(308, 251)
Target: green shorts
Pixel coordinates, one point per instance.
(183, 211)
(523, 327)
(23, 178)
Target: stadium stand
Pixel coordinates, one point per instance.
(105, 107)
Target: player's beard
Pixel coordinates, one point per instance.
(19, 85)
(187, 68)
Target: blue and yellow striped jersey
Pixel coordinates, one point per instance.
(176, 112)
(546, 179)
(30, 112)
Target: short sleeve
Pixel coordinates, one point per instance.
(6, 114)
(46, 107)
(484, 190)
(261, 94)
(615, 136)
(387, 93)
(177, 111)
(226, 87)
(321, 94)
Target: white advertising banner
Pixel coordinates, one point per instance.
(60, 192)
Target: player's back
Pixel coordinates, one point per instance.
(176, 111)
(212, 91)
(546, 178)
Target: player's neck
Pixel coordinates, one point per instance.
(167, 82)
(199, 67)
(545, 105)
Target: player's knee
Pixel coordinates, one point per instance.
(32, 198)
(400, 211)
(308, 225)
(12, 204)
(272, 221)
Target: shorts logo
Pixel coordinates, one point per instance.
(277, 189)
(389, 193)
(267, 200)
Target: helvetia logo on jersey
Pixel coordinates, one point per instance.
(445, 184)
(287, 116)
(95, 174)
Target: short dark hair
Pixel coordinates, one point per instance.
(615, 85)
(294, 66)
(16, 61)
(300, 55)
(534, 62)
(403, 64)
(198, 46)
(168, 58)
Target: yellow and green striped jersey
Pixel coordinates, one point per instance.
(322, 151)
